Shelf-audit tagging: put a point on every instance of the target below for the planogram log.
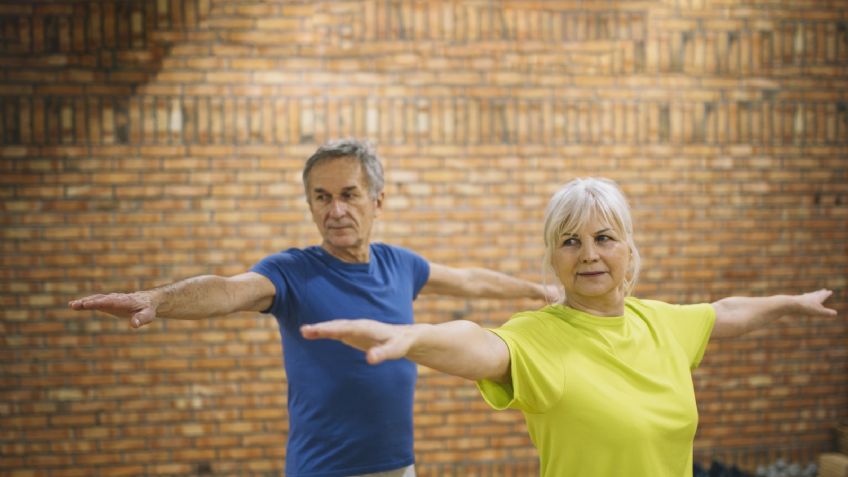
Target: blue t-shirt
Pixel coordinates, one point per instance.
(345, 415)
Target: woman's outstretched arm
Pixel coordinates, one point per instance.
(738, 315)
(460, 348)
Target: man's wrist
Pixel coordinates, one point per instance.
(152, 298)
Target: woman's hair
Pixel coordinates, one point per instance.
(360, 150)
(576, 204)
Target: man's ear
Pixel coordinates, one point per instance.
(379, 202)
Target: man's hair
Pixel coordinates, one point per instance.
(361, 150)
(577, 203)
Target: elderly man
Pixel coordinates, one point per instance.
(346, 418)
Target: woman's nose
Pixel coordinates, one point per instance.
(589, 253)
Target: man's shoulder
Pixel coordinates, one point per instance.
(293, 255)
(384, 249)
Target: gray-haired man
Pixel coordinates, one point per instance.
(347, 418)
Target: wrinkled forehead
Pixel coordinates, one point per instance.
(337, 173)
(589, 220)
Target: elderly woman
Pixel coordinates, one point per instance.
(603, 378)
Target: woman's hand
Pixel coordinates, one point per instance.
(460, 348)
(380, 341)
(812, 303)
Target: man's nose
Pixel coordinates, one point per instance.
(338, 208)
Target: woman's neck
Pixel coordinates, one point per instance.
(605, 308)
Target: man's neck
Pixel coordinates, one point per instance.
(359, 254)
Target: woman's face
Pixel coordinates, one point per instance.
(591, 263)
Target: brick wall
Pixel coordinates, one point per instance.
(146, 141)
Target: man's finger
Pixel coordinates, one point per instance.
(114, 301)
(142, 318)
(84, 303)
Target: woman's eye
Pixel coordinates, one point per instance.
(569, 242)
(603, 238)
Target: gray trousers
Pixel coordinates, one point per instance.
(402, 472)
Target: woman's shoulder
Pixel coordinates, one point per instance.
(636, 302)
(541, 318)
(661, 309)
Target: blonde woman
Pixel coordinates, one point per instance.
(603, 378)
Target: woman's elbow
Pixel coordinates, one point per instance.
(728, 326)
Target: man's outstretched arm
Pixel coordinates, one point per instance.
(482, 283)
(190, 299)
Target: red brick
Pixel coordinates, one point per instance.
(182, 156)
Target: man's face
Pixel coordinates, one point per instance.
(343, 210)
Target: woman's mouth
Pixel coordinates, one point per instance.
(590, 274)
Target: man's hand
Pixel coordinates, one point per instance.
(552, 293)
(138, 307)
(380, 341)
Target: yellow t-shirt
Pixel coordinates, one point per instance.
(606, 396)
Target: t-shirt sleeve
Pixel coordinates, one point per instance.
(419, 267)
(691, 326)
(421, 273)
(537, 378)
(277, 268)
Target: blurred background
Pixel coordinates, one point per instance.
(146, 141)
